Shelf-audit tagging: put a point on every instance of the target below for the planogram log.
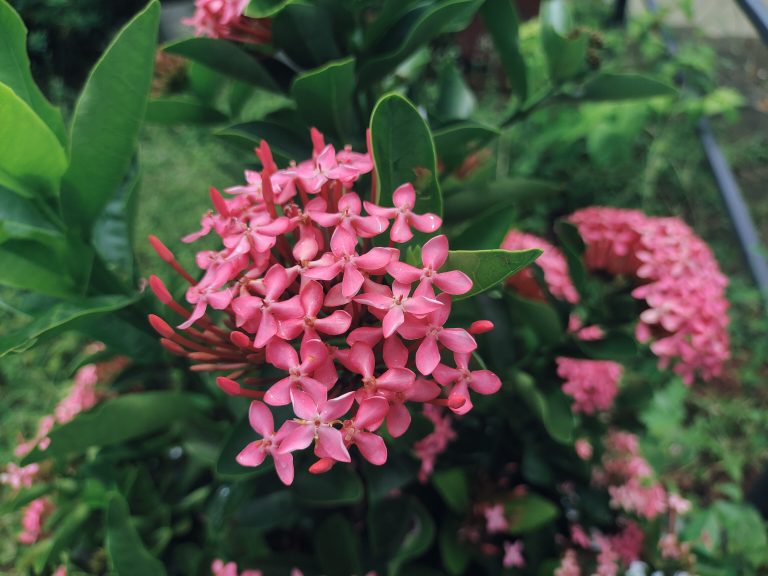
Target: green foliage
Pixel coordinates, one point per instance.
(126, 551)
(489, 268)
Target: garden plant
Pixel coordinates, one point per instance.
(396, 344)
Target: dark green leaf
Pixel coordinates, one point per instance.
(400, 530)
(15, 72)
(32, 160)
(275, 510)
(566, 55)
(119, 420)
(205, 84)
(614, 346)
(176, 110)
(529, 512)
(457, 142)
(266, 8)
(453, 552)
(488, 268)
(107, 118)
(412, 31)
(453, 487)
(625, 87)
(305, 33)
(501, 21)
(486, 231)
(126, 551)
(539, 317)
(456, 100)
(67, 530)
(554, 409)
(403, 152)
(324, 98)
(336, 547)
(285, 143)
(226, 58)
(341, 486)
(573, 248)
(21, 219)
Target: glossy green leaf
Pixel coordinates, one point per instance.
(400, 530)
(20, 218)
(529, 512)
(454, 488)
(266, 8)
(501, 21)
(456, 101)
(403, 152)
(341, 486)
(119, 420)
(453, 552)
(625, 87)
(488, 268)
(499, 194)
(457, 142)
(336, 547)
(274, 510)
(16, 74)
(553, 409)
(125, 549)
(305, 32)
(226, 58)
(107, 118)
(539, 317)
(284, 143)
(204, 83)
(67, 530)
(176, 110)
(566, 56)
(324, 98)
(412, 31)
(32, 160)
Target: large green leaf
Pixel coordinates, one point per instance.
(324, 98)
(336, 547)
(16, 74)
(456, 101)
(412, 31)
(400, 529)
(305, 32)
(488, 268)
(501, 21)
(226, 58)
(107, 117)
(120, 420)
(554, 409)
(176, 110)
(529, 512)
(453, 486)
(566, 55)
(457, 142)
(21, 219)
(341, 486)
(284, 143)
(32, 160)
(403, 152)
(126, 551)
(266, 8)
(625, 87)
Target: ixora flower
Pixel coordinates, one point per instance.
(226, 19)
(302, 284)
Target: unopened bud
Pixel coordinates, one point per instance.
(159, 290)
(456, 401)
(322, 466)
(228, 386)
(218, 201)
(161, 326)
(239, 339)
(162, 250)
(172, 347)
(481, 327)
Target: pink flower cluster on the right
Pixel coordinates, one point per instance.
(593, 384)
(678, 277)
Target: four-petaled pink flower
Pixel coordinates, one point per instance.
(397, 303)
(404, 199)
(462, 379)
(282, 355)
(359, 430)
(254, 453)
(348, 217)
(311, 297)
(434, 253)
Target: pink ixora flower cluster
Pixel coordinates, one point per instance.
(225, 19)
(307, 284)
(33, 520)
(221, 568)
(593, 384)
(678, 278)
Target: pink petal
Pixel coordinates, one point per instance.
(267, 329)
(376, 259)
(427, 356)
(398, 420)
(323, 272)
(445, 374)
(334, 298)
(220, 300)
(485, 382)
(425, 222)
(313, 352)
(304, 406)
(368, 335)
(404, 273)
(299, 439)
(197, 313)
(282, 355)
(342, 242)
(325, 220)
(404, 196)
(279, 394)
(372, 447)
(421, 305)
(400, 231)
(338, 407)
(371, 413)
(283, 467)
(275, 281)
(380, 211)
(252, 455)
(261, 419)
(381, 301)
(352, 281)
(396, 379)
(361, 359)
(351, 202)
(434, 253)
(316, 389)
(395, 353)
(330, 444)
(369, 226)
(457, 340)
(312, 298)
(335, 324)
(423, 390)
(453, 282)
(275, 228)
(392, 321)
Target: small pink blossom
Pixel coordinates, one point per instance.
(35, 515)
(583, 449)
(404, 200)
(495, 519)
(569, 565)
(256, 452)
(593, 384)
(433, 444)
(513, 555)
(434, 254)
(461, 379)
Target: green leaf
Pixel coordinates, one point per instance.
(454, 488)
(540, 317)
(412, 31)
(453, 552)
(340, 486)
(456, 100)
(126, 551)
(399, 530)
(16, 74)
(566, 56)
(336, 547)
(613, 346)
(529, 512)
(226, 58)
(119, 420)
(455, 143)
(66, 531)
(266, 8)
(177, 110)
(57, 317)
(500, 194)
(324, 98)
(573, 248)
(284, 143)
(32, 160)
(305, 33)
(501, 21)
(553, 409)
(488, 268)
(403, 152)
(21, 219)
(624, 87)
(107, 118)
